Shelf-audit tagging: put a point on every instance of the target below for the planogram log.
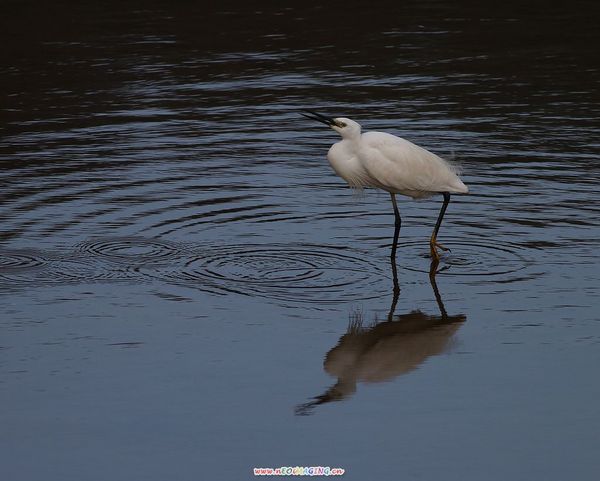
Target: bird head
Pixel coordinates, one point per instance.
(347, 128)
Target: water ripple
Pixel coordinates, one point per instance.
(305, 273)
(495, 260)
(132, 250)
(285, 272)
(15, 260)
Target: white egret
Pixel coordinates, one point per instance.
(384, 161)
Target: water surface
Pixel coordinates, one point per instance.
(189, 292)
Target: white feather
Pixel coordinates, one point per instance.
(377, 159)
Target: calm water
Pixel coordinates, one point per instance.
(187, 291)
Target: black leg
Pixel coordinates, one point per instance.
(433, 242)
(397, 225)
(396, 211)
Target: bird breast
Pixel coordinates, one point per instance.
(345, 162)
(393, 164)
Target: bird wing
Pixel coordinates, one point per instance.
(399, 166)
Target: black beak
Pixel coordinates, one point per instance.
(318, 117)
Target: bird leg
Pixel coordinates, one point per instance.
(441, 246)
(396, 212)
(433, 243)
(397, 225)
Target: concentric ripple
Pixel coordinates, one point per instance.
(132, 250)
(11, 260)
(501, 262)
(30, 268)
(300, 273)
(18, 266)
(286, 272)
(290, 273)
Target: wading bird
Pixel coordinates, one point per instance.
(384, 161)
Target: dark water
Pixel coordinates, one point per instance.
(188, 291)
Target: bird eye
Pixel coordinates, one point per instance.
(342, 124)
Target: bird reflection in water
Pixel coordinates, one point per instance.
(388, 349)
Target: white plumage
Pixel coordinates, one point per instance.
(384, 161)
(377, 159)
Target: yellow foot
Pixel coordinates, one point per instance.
(440, 246)
(434, 246)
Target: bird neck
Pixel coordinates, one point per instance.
(351, 137)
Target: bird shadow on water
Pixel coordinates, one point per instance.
(382, 351)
